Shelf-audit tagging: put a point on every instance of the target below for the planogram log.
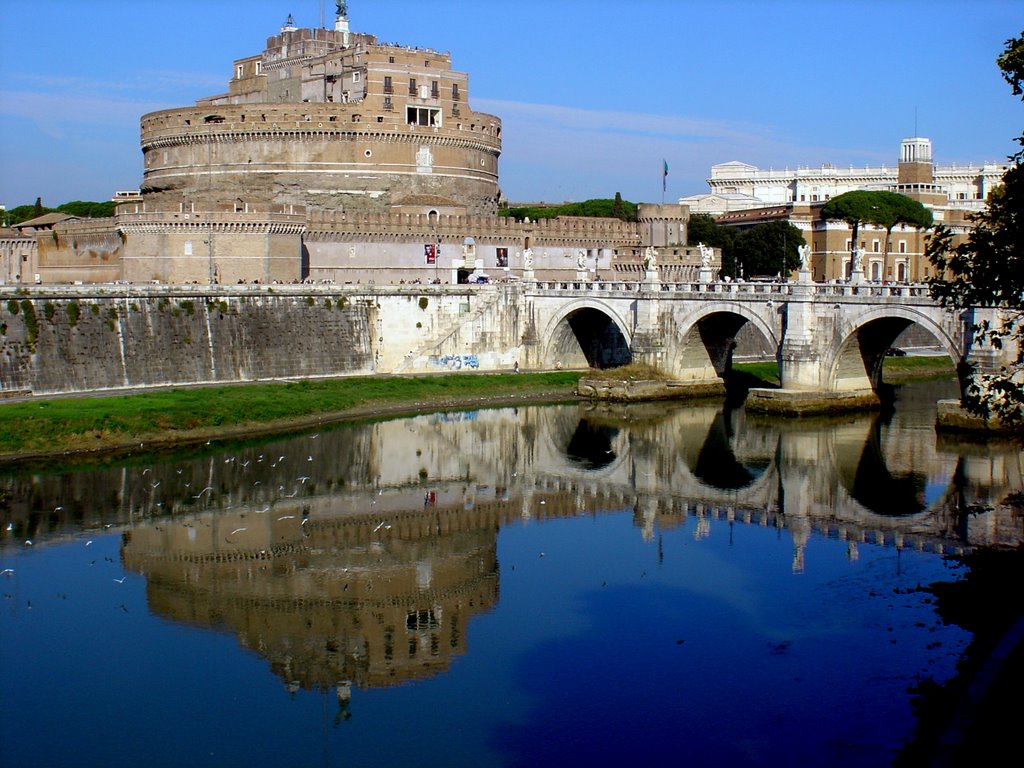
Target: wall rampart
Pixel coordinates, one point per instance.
(75, 339)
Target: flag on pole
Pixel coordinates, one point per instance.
(664, 175)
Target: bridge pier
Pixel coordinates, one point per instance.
(985, 366)
(807, 383)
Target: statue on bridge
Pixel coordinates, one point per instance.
(705, 254)
(528, 259)
(650, 259)
(581, 260)
(805, 257)
(858, 260)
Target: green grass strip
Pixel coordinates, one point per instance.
(79, 422)
(893, 369)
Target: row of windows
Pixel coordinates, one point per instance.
(876, 245)
(435, 91)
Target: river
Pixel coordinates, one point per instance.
(551, 585)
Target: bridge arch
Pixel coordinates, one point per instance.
(864, 339)
(703, 345)
(586, 333)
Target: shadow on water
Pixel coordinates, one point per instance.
(738, 385)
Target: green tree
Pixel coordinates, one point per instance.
(599, 207)
(703, 228)
(769, 249)
(617, 210)
(88, 209)
(987, 270)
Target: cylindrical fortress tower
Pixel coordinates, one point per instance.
(327, 119)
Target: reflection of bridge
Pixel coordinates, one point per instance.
(837, 471)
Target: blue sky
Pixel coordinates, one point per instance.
(592, 95)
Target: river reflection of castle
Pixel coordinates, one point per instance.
(359, 554)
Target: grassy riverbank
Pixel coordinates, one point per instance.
(34, 428)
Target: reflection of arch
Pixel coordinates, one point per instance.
(880, 490)
(591, 445)
(862, 469)
(857, 363)
(587, 334)
(717, 465)
(711, 337)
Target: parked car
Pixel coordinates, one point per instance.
(895, 352)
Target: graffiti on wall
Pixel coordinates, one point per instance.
(458, 362)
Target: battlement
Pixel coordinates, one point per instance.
(324, 224)
(244, 122)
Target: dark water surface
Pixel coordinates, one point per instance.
(562, 585)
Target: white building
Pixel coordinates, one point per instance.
(737, 186)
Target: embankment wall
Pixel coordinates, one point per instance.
(70, 339)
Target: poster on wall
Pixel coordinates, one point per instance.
(502, 257)
(430, 252)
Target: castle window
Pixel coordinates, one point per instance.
(455, 92)
(355, 76)
(412, 86)
(387, 103)
(903, 246)
(434, 92)
(387, 84)
(391, 59)
(238, 72)
(356, 118)
(429, 116)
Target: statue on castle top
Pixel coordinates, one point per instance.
(341, 8)
(805, 257)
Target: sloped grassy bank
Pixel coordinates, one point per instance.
(32, 429)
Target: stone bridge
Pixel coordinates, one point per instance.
(830, 339)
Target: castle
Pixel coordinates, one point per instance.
(333, 157)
